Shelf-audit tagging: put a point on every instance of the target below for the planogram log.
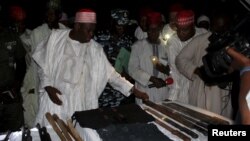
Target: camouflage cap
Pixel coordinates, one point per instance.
(120, 16)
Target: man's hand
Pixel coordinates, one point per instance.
(163, 69)
(139, 94)
(239, 59)
(157, 82)
(52, 92)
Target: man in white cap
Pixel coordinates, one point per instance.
(189, 61)
(170, 28)
(148, 77)
(74, 70)
(203, 22)
(186, 30)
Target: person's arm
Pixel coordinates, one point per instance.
(42, 54)
(134, 69)
(186, 59)
(242, 62)
(243, 104)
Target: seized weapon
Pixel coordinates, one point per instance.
(55, 126)
(202, 117)
(73, 131)
(176, 116)
(191, 119)
(176, 125)
(26, 134)
(44, 135)
(7, 135)
(64, 131)
(62, 126)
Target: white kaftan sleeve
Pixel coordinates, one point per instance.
(173, 50)
(184, 61)
(114, 78)
(40, 56)
(120, 83)
(134, 69)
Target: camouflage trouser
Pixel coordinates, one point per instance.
(11, 113)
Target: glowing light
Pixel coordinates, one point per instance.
(167, 36)
(154, 59)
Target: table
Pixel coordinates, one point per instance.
(88, 134)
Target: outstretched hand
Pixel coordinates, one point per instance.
(141, 95)
(52, 92)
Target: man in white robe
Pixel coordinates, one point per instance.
(140, 31)
(211, 98)
(141, 67)
(74, 70)
(170, 28)
(186, 31)
(31, 81)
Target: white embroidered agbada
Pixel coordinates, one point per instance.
(141, 69)
(211, 98)
(179, 89)
(79, 70)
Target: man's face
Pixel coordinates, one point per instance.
(154, 32)
(52, 17)
(120, 29)
(172, 20)
(185, 32)
(86, 32)
(143, 23)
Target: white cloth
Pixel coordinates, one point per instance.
(25, 38)
(79, 70)
(211, 98)
(140, 34)
(167, 33)
(30, 100)
(179, 89)
(248, 99)
(141, 69)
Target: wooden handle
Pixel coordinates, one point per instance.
(73, 131)
(62, 127)
(54, 126)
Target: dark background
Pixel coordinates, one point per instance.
(35, 8)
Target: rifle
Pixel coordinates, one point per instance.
(204, 118)
(44, 135)
(176, 116)
(172, 130)
(26, 135)
(7, 135)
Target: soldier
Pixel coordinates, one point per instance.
(12, 68)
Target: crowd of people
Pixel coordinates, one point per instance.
(63, 66)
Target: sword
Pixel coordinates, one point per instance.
(178, 126)
(176, 116)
